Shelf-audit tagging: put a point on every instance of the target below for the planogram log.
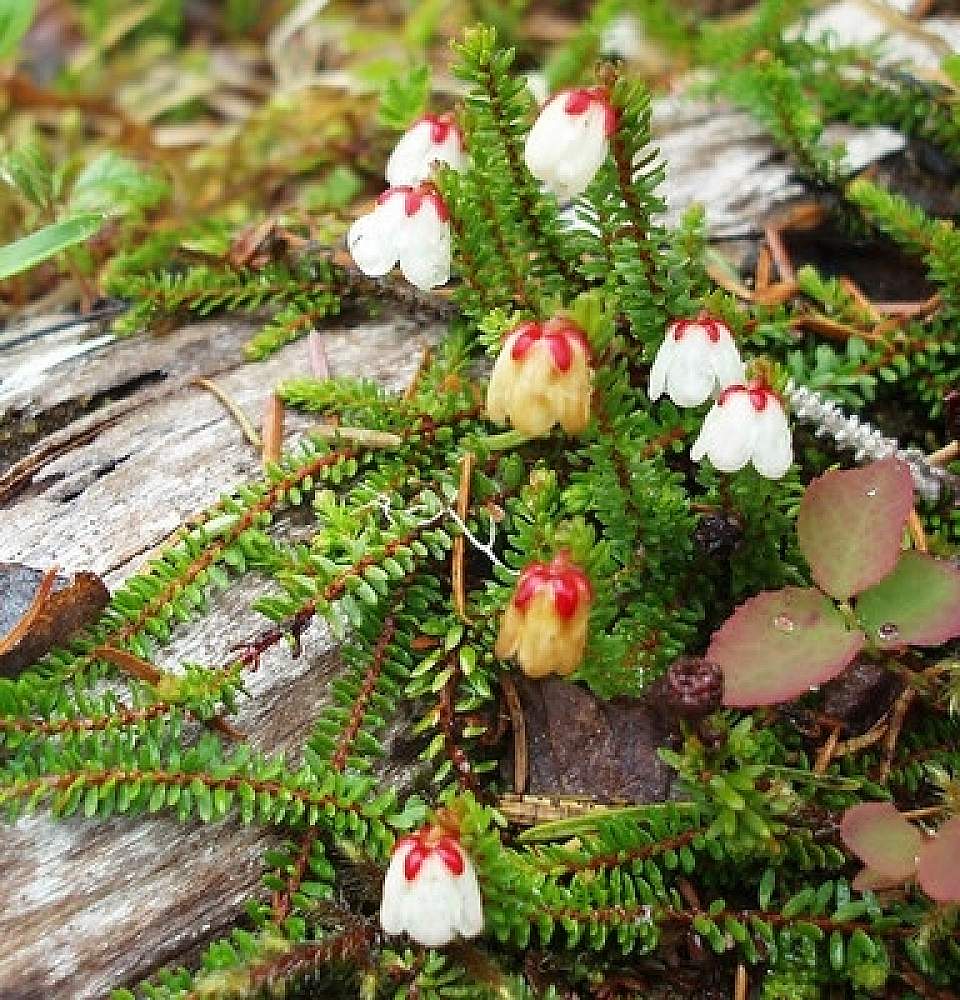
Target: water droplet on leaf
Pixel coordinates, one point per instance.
(784, 623)
(888, 631)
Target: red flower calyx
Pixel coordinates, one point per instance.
(714, 327)
(414, 197)
(759, 392)
(431, 840)
(569, 584)
(558, 333)
(580, 99)
(441, 126)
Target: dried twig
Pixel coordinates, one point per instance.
(357, 435)
(414, 385)
(272, 429)
(857, 743)
(741, 984)
(518, 723)
(919, 536)
(903, 24)
(764, 270)
(899, 713)
(232, 407)
(910, 310)
(460, 543)
(129, 663)
(779, 252)
(945, 455)
(860, 297)
(827, 751)
(831, 328)
(134, 666)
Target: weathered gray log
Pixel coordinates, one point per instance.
(123, 449)
(88, 906)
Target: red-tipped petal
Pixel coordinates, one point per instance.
(414, 860)
(566, 596)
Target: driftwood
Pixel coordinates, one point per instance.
(106, 447)
(74, 922)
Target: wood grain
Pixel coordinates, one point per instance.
(86, 906)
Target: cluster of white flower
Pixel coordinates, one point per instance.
(748, 422)
(410, 225)
(544, 377)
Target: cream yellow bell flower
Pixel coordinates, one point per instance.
(542, 378)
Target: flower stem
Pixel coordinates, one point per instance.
(503, 441)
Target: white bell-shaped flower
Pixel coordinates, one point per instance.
(431, 890)
(409, 226)
(746, 424)
(432, 139)
(570, 140)
(697, 358)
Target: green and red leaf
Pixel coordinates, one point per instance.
(918, 604)
(850, 525)
(883, 840)
(779, 644)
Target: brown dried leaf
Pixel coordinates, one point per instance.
(580, 745)
(41, 610)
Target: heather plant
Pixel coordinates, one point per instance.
(583, 431)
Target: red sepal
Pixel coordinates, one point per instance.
(451, 854)
(759, 395)
(421, 845)
(558, 334)
(415, 197)
(711, 324)
(579, 100)
(568, 583)
(441, 126)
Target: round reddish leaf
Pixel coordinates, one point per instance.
(870, 879)
(938, 872)
(850, 525)
(779, 644)
(918, 604)
(882, 839)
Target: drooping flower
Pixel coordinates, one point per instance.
(409, 226)
(545, 623)
(697, 357)
(432, 139)
(746, 424)
(570, 140)
(541, 378)
(431, 890)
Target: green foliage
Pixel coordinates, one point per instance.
(361, 533)
(16, 16)
(48, 242)
(304, 295)
(773, 91)
(108, 186)
(404, 98)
